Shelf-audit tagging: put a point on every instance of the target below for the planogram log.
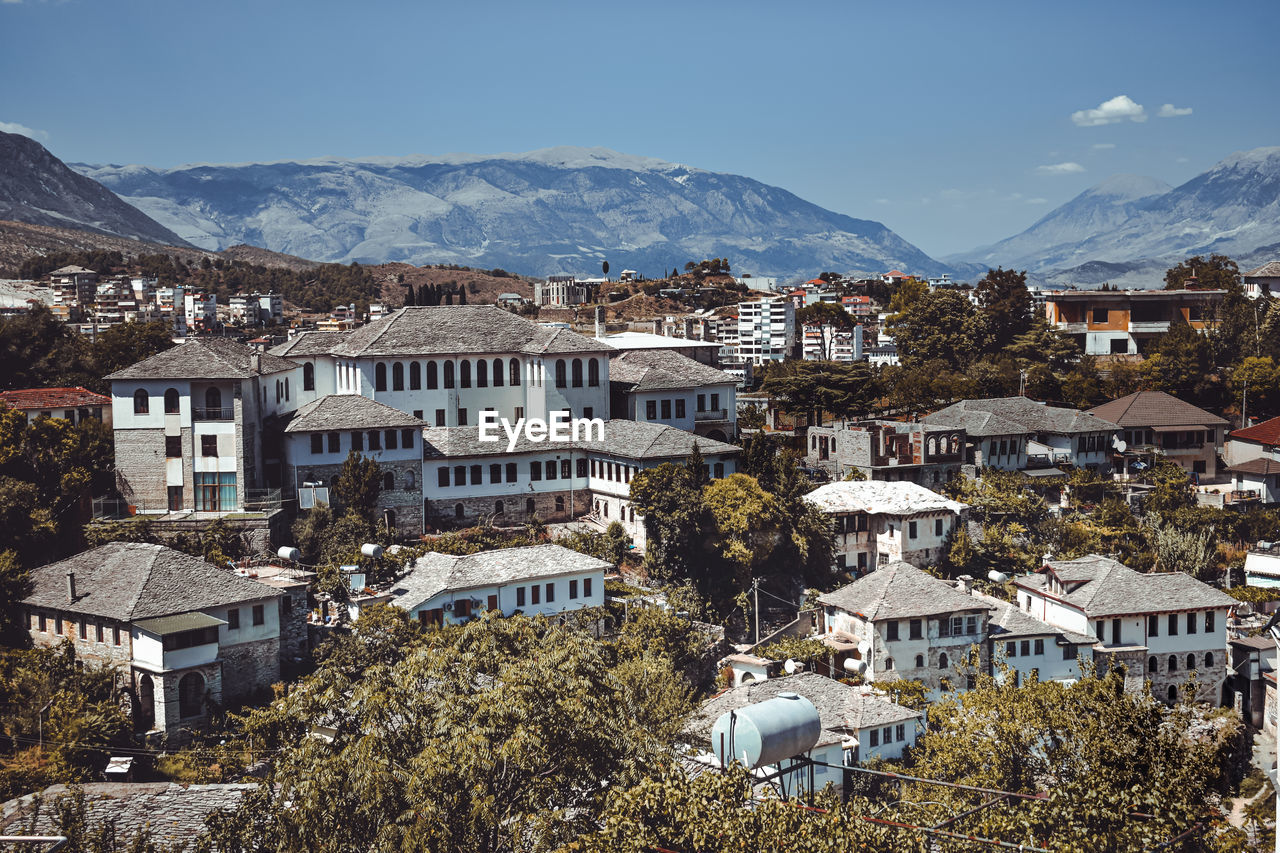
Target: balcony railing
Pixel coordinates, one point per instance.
(1149, 326)
(711, 415)
(203, 413)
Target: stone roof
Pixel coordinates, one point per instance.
(1101, 586)
(306, 344)
(844, 710)
(1155, 409)
(1023, 414)
(174, 814)
(53, 398)
(205, 358)
(447, 329)
(1261, 465)
(900, 591)
(1267, 432)
(126, 581)
(878, 497)
(434, 573)
(1271, 269)
(72, 270)
(1008, 623)
(348, 411)
(661, 370)
(623, 438)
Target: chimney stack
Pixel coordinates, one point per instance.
(71, 586)
(658, 326)
(600, 324)
(255, 362)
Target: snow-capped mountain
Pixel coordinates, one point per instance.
(38, 188)
(1132, 226)
(549, 211)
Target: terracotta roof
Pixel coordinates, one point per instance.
(1267, 432)
(1155, 409)
(205, 358)
(1261, 465)
(53, 398)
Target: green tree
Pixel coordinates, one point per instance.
(358, 485)
(119, 346)
(1172, 489)
(675, 520)
(1218, 272)
(1002, 294)
(941, 325)
(906, 294)
(813, 387)
(1259, 379)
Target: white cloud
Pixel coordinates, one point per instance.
(22, 129)
(1104, 146)
(1116, 110)
(1060, 169)
(10, 1)
(1170, 111)
(1037, 201)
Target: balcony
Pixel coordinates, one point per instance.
(1149, 327)
(711, 415)
(201, 413)
(1073, 328)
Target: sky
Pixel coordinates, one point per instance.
(955, 124)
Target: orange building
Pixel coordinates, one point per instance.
(1113, 322)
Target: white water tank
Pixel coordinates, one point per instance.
(767, 732)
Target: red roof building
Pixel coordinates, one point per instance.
(1267, 432)
(74, 404)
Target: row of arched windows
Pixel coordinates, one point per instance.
(172, 400)
(573, 370)
(1153, 663)
(481, 372)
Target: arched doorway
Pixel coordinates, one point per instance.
(145, 719)
(191, 695)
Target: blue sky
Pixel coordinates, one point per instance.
(952, 123)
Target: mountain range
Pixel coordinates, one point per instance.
(558, 210)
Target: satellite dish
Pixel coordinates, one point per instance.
(790, 667)
(864, 647)
(1120, 445)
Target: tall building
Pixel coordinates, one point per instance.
(766, 330)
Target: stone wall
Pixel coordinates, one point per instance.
(443, 514)
(106, 653)
(295, 645)
(140, 467)
(405, 502)
(248, 668)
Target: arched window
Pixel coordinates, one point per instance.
(497, 508)
(1208, 659)
(397, 376)
(308, 377)
(388, 482)
(482, 373)
(415, 376)
(433, 381)
(529, 506)
(191, 695)
(141, 402)
(457, 511)
(389, 515)
(888, 663)
(919, 661)
(1173, 663)
(464, 374)
(1191, 662)
(146, 703)
(1173, 694)
(562, 380)
(577, 373)
(448, 374)
(213, 400)
(515, 372)
(286, 387)
(942, 661)
(410, 481)
(559, 503)
(593, 373)
(1153, 664)
(171, 401)
(380, 377)
(497, 373)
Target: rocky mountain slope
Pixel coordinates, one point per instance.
(550, 211)
(38, 188)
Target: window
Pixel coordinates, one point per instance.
(586, 587)
(891, 631)
(175, 498)
(917, 629)
(335, 442)
(317, 443)
(937, 525)
(1173, 624)
(397, 376)
(172, 446)
(233, 619)
(498, 508)
(433, 378)
(888, 663)
(482, 373)
(1011, 649)
(462, 417)
(1068, 652)
(911, 529)
(666, 410)
(715, 402)
(458, 511)
(115, 634)
(477, 475)
(415, 376)
(171, 401)
(1100, 315)
(573, 589)
(1208, 622)
(495, 473)
(497, 373)
(439, 417)
(511, 472)
(515, 372)
(519, 413)
(519, 596)
(1191, 623)
(888, 734)
(460, 475)
(535, 594)
(529, 506)
(208, 445)
(380, 377)
(448, 374)
(1039, 647)
(702, 407)
(581, 465)
(357, 441)
(98, 630)
(1191, 662)
(84, 629)
(442, 477)
(1153, 665)
(141, 402)
(259, 614)
(388, 482)
(593, 373)
(1173, 663)
(1153, 625)
(588, 412)
(919, 661)
(900, 731)
(535, 470)
(1115, 631)
(719, 470)
(679, 407)
(462, 608)
(559, 503)
(875, 737)
(493, 602)
(551, 469)
(565, 469)
(551, 592)
(971, 625)
(464, 373)
(391, 438)
(957, 624)
(1208, 659)
(650, 410)
(577, 373)
(562, 381)
(375, 440)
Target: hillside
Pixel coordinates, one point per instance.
(20, 241)
(559, 210)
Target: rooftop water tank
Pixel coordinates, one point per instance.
(767, 732)
(369, 549)
(291, 554)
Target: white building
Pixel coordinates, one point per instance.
(1262, 280)
(877, 523)
(201, 309)
(661, 386)
(546, 580)
(1013, 433)
(1253, 459)
(766, 330)
(903, 623)
(1161, 627)
(1031, 648)
(563, 290)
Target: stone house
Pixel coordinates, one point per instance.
(1030, 647)
(661, 386)
(186, 637)
(1153, 423)
(903, 623)
(877, 522)
(1013, 433)
(1161, 627)
(892, 451)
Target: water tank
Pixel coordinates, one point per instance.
(369, 549)
(767, 732)
(997, 577)
(291, 554)
(855, 665)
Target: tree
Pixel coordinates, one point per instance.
(749, 527)
(906, 294)
(410, 298)
(813, 387)
(674, 521)
(358, 485)
(1172, 489)
(1196, 273)
(1179, 362)
(940, 325)
(825, 315)
(1257, 381)
(604, 268)
(1003, 295)
(119, 346)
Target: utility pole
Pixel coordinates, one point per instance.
(755, 588)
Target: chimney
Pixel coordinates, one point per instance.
(658, 326)
(255, 362)
(688, 328)
(600, 326)
(71, 586)
(964, 583)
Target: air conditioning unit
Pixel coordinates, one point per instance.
(448, 605)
